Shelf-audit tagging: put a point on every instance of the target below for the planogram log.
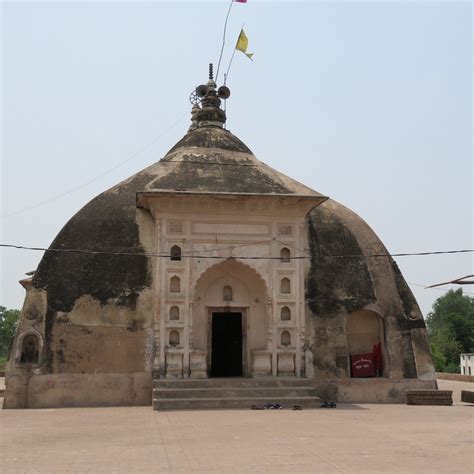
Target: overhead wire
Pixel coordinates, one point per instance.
(413, 284)
(242, 257)
(101, 175)
(426, 287)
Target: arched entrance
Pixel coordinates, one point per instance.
(230, 318)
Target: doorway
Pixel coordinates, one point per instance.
(226, 359)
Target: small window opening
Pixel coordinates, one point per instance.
(285, 313)
(174, 338)
(285, 255)
(175, 253)
(30, 350)
(174, 313)
(175, 285)
(285, 338)
(285, 286)
(227, 293)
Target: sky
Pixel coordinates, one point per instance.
(369, 103)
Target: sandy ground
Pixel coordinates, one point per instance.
(349, 439)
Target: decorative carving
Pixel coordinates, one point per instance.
(285, 229)
(31, 313)
(175, 227)
(286, 364)
(198, 364)
(174, 365)
(262, 363)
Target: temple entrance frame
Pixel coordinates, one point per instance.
(246, 370)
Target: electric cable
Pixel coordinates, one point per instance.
(241, 257)
(83, 185)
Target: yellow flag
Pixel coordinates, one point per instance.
(242, 44)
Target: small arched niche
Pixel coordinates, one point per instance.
(285, 255)
(174, 338)
(175, 253)
(364, 331)
(285, 313)
(175, 285)
(30, 349)
(227, 294)
(174, 313)
(285, 338)
(285, 286)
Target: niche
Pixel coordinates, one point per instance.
(285, 313)
(175, 285)
(285, 339)
(175, 253)
(285, 255)
(30, 349)
(227, 293)
(285, 286)
(174, 338)
(364, 331)
(174, 313)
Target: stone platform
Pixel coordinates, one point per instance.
(467, 396)
(429, 397)
(222, 393)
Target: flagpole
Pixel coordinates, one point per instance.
(223, 38)
(232, 57)
(230, 64)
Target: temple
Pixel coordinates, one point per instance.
(211, 271)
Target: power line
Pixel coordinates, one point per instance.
(241, 257)
(83, 185)
(425, 287)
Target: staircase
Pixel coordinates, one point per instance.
(220, 393)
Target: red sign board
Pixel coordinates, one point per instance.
(362, 365)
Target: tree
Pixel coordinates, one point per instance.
(8, 322)
(451, 329)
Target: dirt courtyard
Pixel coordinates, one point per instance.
(349, 439)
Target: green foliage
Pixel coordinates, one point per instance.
(438, 358)
(451, 329)
(8, 322)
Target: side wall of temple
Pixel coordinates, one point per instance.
(356, 303)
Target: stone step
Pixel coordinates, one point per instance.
(467, 396)
(232, 403)
(239, 382)
(234, 392)
(429, 397)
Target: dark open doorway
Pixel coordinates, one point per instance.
(226, 345)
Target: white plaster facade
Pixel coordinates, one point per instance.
(225, 240)
(467, 363)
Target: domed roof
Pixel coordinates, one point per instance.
(211, 159)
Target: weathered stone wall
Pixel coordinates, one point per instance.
(337, 288)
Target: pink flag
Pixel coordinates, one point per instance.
(240, 1)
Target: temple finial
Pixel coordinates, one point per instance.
(206, 100)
